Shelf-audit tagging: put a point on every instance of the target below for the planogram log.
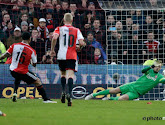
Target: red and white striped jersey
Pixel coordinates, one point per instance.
(152, 46)
(69, 36)
(21, 53)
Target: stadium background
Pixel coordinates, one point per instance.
(120, 30)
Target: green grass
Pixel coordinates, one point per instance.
(92, 112)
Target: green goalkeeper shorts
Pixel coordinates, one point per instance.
(129, 90)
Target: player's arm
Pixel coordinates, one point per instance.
(162, 80)
(54, 41)
(53, 44)
(33, 64)
(33, 60)
(80, 45)
(146, 69)
(3, 56)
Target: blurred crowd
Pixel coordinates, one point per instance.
(132, 35)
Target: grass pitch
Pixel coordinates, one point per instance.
(91, 112)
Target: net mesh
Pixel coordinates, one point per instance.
(135, 33)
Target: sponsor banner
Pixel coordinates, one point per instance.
(87, 74)
(78, 91)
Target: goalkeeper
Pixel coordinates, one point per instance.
(133, 90)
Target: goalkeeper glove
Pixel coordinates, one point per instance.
(164, 72)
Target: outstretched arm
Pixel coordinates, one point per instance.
(162, 80)
(146, 69)
(6, 54)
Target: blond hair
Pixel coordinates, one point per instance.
(68, 17)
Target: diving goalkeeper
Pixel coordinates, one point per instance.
(133, 90)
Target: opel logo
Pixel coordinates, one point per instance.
(79, 92)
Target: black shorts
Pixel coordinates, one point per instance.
(29, 77)
(68, 65)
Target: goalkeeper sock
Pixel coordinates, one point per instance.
(114, 98)
(105, 92)
(70, 85)
(16, 85)
(42, 92)
(63, 83)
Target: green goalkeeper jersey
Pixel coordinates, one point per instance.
(148, 81)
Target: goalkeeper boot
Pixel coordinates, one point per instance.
(63, 97)
(105, 98)
(88, 97)
(49, 101)
(69, 100)
(14, 98)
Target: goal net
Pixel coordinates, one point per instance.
(135, 33)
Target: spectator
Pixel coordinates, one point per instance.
(32, 11)
(10, 29)
(15, 38)
(87, 21)
(38, 44)
(99, 33)
(46, 5)
(151, 47)
(6, 18)
(111, 22)
(43, 30)
(116, 44)
(161, 28)
(31, 27)
(134, 50)
(48, 59)
(162, 49)
(24, 17)
(76, 16)
(24, 26)
(154, 4)
(138, 18)
(148, 25)
(2, 50)
(119, 26)
(3, 35)
(55, 2)
(18, 19)
(88, 51)
(20, 3)
(64, 9)
(50, 22)
(3, 12)
(96, 14)
(57, 11)
(128, 28)
(98, 58)
(23, 10)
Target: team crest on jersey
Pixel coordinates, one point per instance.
(156, 77)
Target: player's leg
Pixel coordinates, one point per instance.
(62, 67)
(129, 96)
(104, 92)
(16, 85)
(71, 67)
(70, 74)
(31, 78)
(129, 93)
(63, 83)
